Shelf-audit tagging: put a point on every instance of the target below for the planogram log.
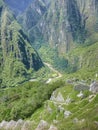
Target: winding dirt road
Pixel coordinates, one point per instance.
(51, 68)
(59, 75)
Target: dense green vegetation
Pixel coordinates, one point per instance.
(50, 55)
(80, 61)
(18, 60)
(81, 108)
(65, 35)
(22, 101)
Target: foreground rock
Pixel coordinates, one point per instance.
(80, 95)
(94, 87)
(42, 125)
(27, 125)
(16, 125)
(3, 124)
(67, 114)
(68, 100)
(58, 98)
(77, 121)
(10, 124)
(52, 128)
(81, 87)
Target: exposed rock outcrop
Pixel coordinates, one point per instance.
(58, 98)
(52, 128)
(94, 87)
(67, 114)
(81, 87)
(42, 125)
(80, 95)
(63, 22)
(16, 125)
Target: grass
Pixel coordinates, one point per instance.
(81, 109)
(22, 101)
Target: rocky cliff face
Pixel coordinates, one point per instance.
(17, 56)
(33, 14)
(70, 21)
(31, 18)
(60, 22)
(64, 23)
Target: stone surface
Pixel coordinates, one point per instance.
(52, 128)
(67, 114)
(77, 121)
(19, 124)
(80, 95)
(42, 125)
(68, 100)
(81, 87)
(3, 124)
(10, 124)
(26, 125)
(94, 87)
(58, 98)
(16, 125)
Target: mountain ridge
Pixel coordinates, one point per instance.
(18, 56)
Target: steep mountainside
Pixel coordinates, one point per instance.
(32, 17)
(63, 23)
(62, 93)
(68, 25)
(17, 56)
(70, 21)
(57, 27)
(60, 23)
(33, 14)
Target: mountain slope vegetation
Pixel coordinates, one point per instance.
(60, 28)
(17, 55)
(59, 92)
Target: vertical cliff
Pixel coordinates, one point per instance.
(17, 57)
(68, 22)
(59, 26)
(30, 20)
(63, 23)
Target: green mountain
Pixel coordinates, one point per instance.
(31, 17)
(62, 23)
(60, 27)
(17, 57)
(62, 95)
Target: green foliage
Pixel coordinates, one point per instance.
(60, 63)
(82, 109)
(51, 56)
(17, 56)
(84, 62)
(22, 101)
